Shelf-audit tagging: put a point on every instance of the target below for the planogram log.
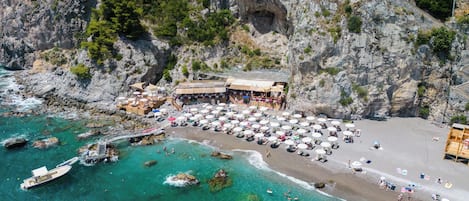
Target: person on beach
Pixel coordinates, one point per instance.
(400, 197)
(267, 154)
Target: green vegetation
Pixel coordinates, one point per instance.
(81, 71)
(336, 33)
(423, 37)
(439, 39)
(466, 107)
(421, 90)
(199, 66)
(223, 64)
(462, 19)
(170, 64)
(354, 24)
(440, 9)
(424, 111)
(322, 82)
(54, 57)
(330, 70)
(325, 12)
(167, 76)
(247, 51)
(103, 36)
(213, 27)
(361, 91)
(307, 49)
(345, 99)
(185, 71)
(462, 119)
(245, 27)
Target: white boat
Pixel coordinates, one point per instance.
(42, 175)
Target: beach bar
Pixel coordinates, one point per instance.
(457, 144)
(201, 91)
(266, 93)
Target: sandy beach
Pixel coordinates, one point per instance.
(407, 144)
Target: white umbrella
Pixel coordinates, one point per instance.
(286, 127)
(256, 126)
(145, 93)
(286, 114)
(203, 121)
(335, 123)
(238, 129)
(244, 123)
(264, 122)
(205, 111)
(198, 116)
(136, 93)
(332, 129)
(235, 122)
(301, 131)
(181, 118)
(157, 114)
(215, 123)
(222, 104)
(144, 100)
(208, 107)
(306, 140)
(252, 107)
(317, 127)
(304, 123)
(272, 138)
(239, 116)
(320, 151)
(356, 164)
(289, 142)
(293, 121)
(163, 110)
(263, 109)
(280, 133)
(215, 112)
(252, 119)
(302, 146)
(310, 118)
(257, 114)
(131, 99)
(281, 118)
(222, 118)
(259, 135)
(322, 120)
(274, 124)
(229, 114)
(349, 125)
(209, 117)
(347, 133)
(193, 110)
(247, 132)
(246, 112)
(227, 125)
(187, 114)
(332, 139)
(264, 128)
(325, 144)
(233, 105)
(193, 118)
(316, 135)
(121, 98)
(219, 108)
(297, 116)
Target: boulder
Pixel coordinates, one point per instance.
(15, 143)
(150, 163)
(221, 155)
(46, 143)
(319, 185)
(219, 181)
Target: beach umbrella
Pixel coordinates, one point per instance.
(289, 142)
(204, 111)
(187, 115)
(145, 93)
(356, 164)
(316, 135)
(181, 118)
(238, 129)
(244, 123)
(194, 110)
(131, 99)
(208, 107)
(229, 114)
(304, 123)
(257, 115)
(286, 127)
(209, 117)
(297, 116)
(264, 128)
(322, 120)
(198, 116)
(164, 110)
(293, 121)
(138, 85)
(332, 129)
(233, 105)
(215, 123)
(349, 125)
(306, 140)
(347, 133)
(157, 114)
(302, 146)
(121, 98)
(246, 112)
(239, 116)
(247, 132)
(310, 118)
(227, 126)
(155, 110)
(144, 100)
(274, 124)
(252, 107)
(264, 122)
(280, 133)
(263, 109)
(222, 118)
(320, 151)
(222, 104)
(281, 118)
(259, 135)
(193, 118)
(219, 108)
(317, 127)
(171, 119)
(252, 119)
(215, 112)
(272, 138)
(235, 122)
(203, 121)
(332, 139)
(301, 131)
(136, 93)
(256, 126)
(335, 123)
(325, 144)
(286, 114)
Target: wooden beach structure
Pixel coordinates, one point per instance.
(143, 99)
(201, 91)
(257, 92)
(457, 144)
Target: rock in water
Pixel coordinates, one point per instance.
(150, 163)
(221, 155)
(219, 181)
(319, 185)
(15, 143)
(42, 144)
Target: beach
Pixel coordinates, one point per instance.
(407, 144)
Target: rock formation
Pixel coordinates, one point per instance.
(219, 181)
(221, 155)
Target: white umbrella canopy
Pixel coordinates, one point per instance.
(215, 112)
(252, 119)
(293, 121)
(204, 111)
(316, 135)
(215, 123)
(235, 122)
(246, 112)
(264, 122)
(332, 139)
(198, 116)
(280, 133)
(239, 116)
(121, 98)
(335, 123)
(274, 124)
(222, 104)
(302, 146)
(252, 107)
(181, 118)
(256, 126)
(233, 105)
(310, 118)
(194, 110)
(208, 107)
(163, 110)
(222, 118)
(244, 123)
(230, 114)
(356, 164)
(259, 135)
(227, 125)
(332, 129)
(157, 114)
(349, 125)
(304, 123)
(131, 99)
(247, 132)
(187, 114)
(320, 151)
(136, 93)
(301, 131)
(286, 114)
(322, 120)
(272, 138)
(317, 126)
(306, 140)
(209, 117)
(347, 133)
(325, 144)
(257, 115)
(286, 127)
(203, 121)
(193, 118)
(281, 118)
(297, 116)
(264, 128)
(263, 109)
(219, 108)
(289, 142)
(238, 129)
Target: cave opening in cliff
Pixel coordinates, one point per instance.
(263, 21)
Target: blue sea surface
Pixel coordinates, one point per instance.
(128, 178)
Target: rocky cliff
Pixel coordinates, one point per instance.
(377, 70)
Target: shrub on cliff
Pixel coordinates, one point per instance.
(354, 24)
(441, 41)
(440, 9)
(100, 47)
(81, 71)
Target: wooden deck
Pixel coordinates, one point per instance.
(457, 144)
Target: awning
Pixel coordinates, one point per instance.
(251, 85)
(201, 90)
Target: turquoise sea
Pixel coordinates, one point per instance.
(127, 179)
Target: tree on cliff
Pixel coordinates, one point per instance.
(440, 9)
(124, 16)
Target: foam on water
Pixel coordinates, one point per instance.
(9, 93)
(176, 183)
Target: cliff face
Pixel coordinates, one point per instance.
(377, 71)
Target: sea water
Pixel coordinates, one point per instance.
(128, 178)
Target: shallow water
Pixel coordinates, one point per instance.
(129, 179)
